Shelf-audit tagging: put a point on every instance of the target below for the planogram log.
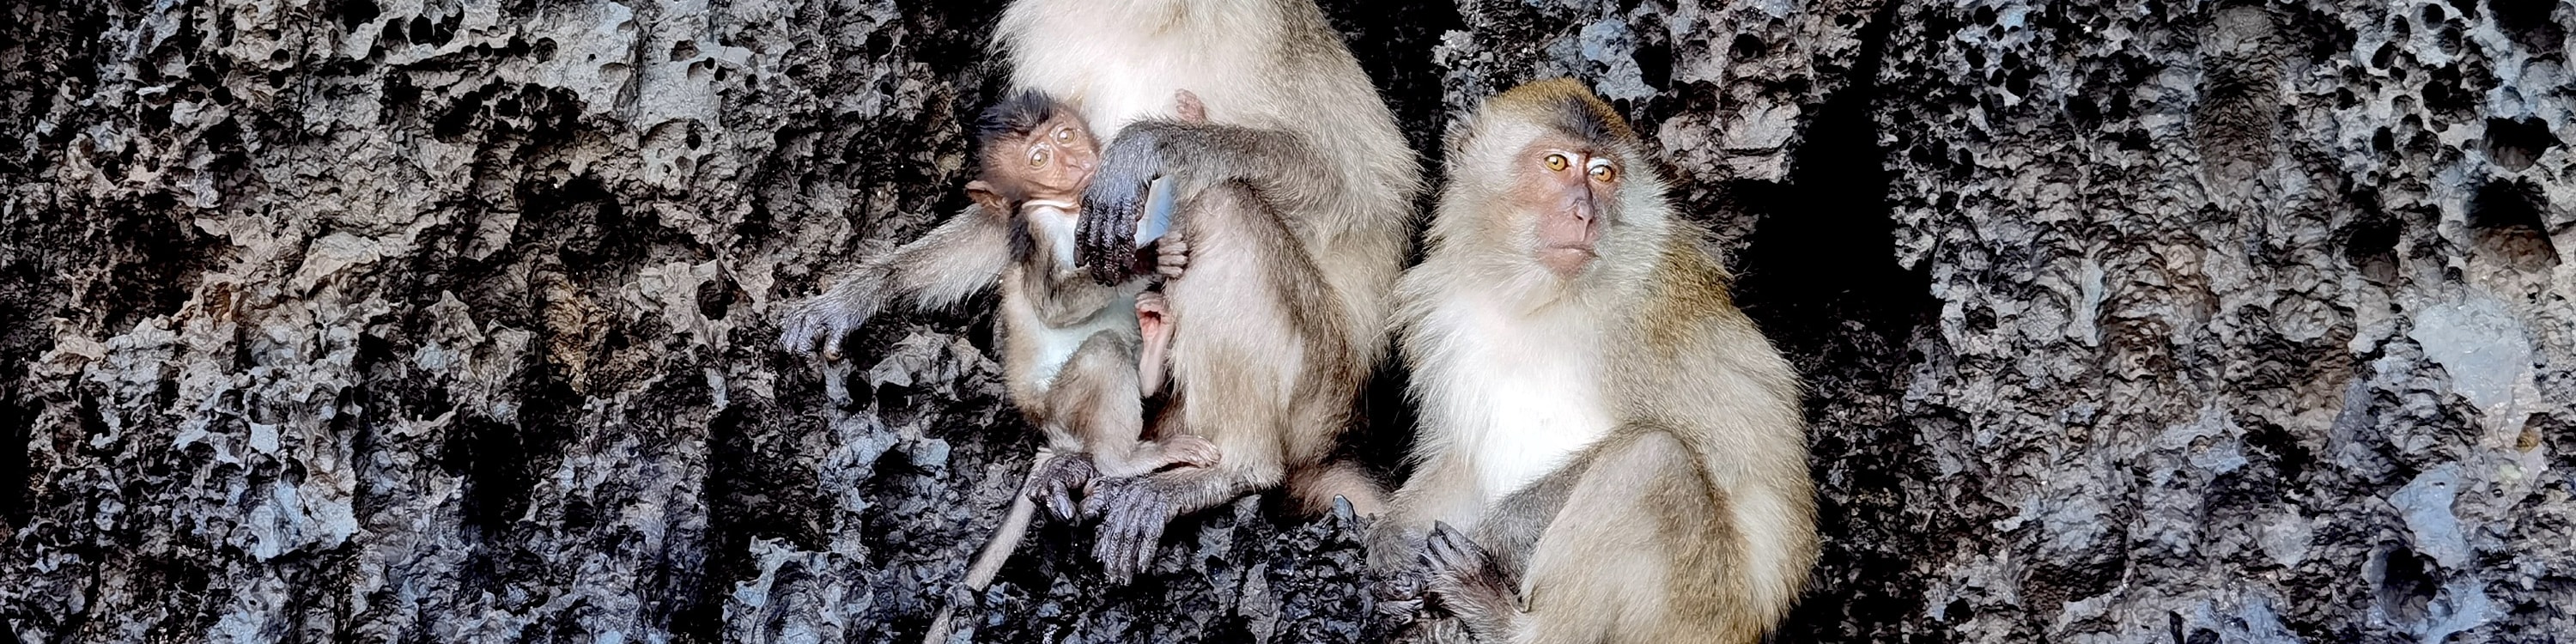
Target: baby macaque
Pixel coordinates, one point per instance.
(1079, 357)
(1077, 353)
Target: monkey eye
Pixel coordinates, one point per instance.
(1037, 156)
(1557, 162)
(1064, 135)
(1602, 171)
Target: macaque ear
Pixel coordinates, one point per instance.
(983, 194)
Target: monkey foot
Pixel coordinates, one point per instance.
(1189, 451)
(1055, 480)
(1132, 512)
(1399, 594)
(1154, 320)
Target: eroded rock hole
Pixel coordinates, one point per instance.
(352, 13)
(491, 457)
(2517, 143)
(17, 436)
(2401, 583)
(2530, 23)
(393, 36)
(2240, 94)
(2505, 223)
(2370, 245)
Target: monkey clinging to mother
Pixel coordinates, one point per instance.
(1295, 199)
(1610, 451)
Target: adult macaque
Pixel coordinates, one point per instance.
(1295, 204)
(1611, 452)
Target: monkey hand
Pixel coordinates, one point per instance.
(1187, 106)
(1132, 512)
(1114, 203)
(821, 323)
(1467, 583)
(1055, 480)
(1172, 255)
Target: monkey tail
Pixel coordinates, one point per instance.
(988, 563)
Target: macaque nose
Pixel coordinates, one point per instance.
(1580, 206)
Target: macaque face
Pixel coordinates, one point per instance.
(1566, 189)
(1056, 160)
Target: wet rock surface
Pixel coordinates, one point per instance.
(449, 321)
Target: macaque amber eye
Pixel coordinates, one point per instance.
(1064, 135)
(1604, 172)
(1037, 156)
(1557, 162)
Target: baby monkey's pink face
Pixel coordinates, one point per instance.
(1056, 160)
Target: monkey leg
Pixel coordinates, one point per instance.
(1654, 552)
(1092, 409)
(1262, 369)
(1156, 455)
(1315, 488)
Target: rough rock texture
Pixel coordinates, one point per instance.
(447, 320)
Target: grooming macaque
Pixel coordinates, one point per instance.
(1295, 203)
(1610, 451)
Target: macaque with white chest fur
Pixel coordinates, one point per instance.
(1610, 450)
(1295, 199)
(1295, 205)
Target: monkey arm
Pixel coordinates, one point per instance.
(959, 258)
(1280, 166)
(1512, 527)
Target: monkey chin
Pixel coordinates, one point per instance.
(1566, 261)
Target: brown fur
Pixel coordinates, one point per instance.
(1297, 197)
(1690, 517)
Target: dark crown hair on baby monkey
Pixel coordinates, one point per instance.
(1015, 117)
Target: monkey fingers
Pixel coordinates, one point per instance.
(1055, 480)
(1132, 512)
(1114, 200)
(1190, 451)
(1468, 584)
(1172, 256)
(1187, 106)
(821, 323)
(815, 325)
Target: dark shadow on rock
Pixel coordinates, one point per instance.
(1819, 275)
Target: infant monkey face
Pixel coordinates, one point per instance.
(1059, 158)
